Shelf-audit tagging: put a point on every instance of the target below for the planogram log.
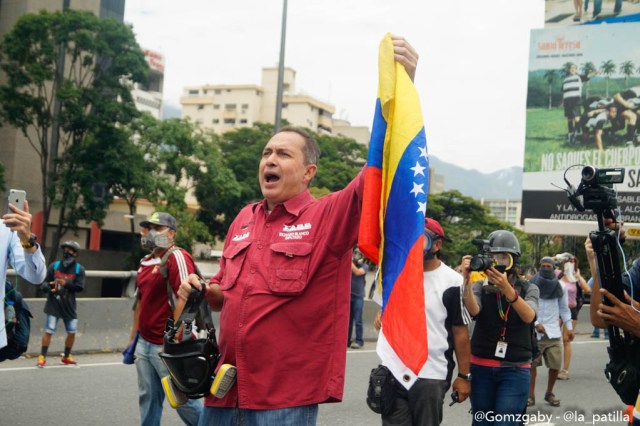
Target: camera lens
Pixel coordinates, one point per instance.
(588, 173)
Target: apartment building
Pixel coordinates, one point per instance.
(504, 209)
(226, 107)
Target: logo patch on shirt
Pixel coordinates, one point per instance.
(294, 228)
(295, 232)
(240, 237)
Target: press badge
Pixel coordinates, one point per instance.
(501, 349)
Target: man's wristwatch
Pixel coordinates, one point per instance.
(467, 376)
(31, 242)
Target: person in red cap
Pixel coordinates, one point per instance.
(419, 398)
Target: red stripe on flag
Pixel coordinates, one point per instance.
(369, 233)
(404, 328)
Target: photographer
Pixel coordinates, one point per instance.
(503, 307)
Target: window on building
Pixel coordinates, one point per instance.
(199, 121)
(243, 121)
(201, 106)
(216, 121)
(229, 121)
(194, 92)
(230, 106)
(285, 106)
(216, 106)
(217, 92)
(245, 106)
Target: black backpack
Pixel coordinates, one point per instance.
(18, 324)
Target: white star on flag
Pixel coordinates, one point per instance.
(418, 169)
(422, 208)
(417, 189)
(423, 152)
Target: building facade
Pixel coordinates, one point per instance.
(505, 210)
(227, 107)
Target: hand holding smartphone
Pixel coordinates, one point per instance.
(16, 197)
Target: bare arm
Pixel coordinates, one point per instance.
(357, 271)
(462, 348)
(596, 297)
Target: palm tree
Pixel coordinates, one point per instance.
(607, 68)
(627, 68)
(551, 76)
(588, 69)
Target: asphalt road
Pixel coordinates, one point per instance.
(102, 391)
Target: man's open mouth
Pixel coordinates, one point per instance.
(271, 177)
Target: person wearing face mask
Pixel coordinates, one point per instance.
(552, 308)
(419, 400)
(64, 279)
(151, 312)
(576, 286)
(503, 306)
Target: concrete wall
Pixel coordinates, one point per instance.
(104, 325)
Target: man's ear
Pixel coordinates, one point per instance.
(310, 173)
(437, 244)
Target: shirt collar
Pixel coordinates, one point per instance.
(293, 205)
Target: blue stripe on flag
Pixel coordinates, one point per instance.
(376, 142)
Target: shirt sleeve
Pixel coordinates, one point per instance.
(344, 213)
(531, 297)
(78, 281)
(452, 300)
(30, 266)
(477, 292)
(179, 266)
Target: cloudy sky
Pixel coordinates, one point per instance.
(471, 76)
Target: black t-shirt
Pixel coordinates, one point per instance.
(62, 303)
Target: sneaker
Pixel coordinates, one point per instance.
(563, 375)
(42, 361)
(68, 360)
(356, 346)
(595, 335)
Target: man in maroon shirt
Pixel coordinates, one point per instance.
(284, 287)
(151, 314)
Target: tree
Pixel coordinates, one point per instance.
(588, 69)
(49, 102)
(607, 68)
(550, 77)
(627, 69)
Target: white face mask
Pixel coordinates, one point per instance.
(569, 271)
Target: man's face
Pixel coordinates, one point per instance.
(282, 173)
(70, 251)
(612, 113)
(573, 70)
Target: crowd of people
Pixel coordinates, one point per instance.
(285, 298)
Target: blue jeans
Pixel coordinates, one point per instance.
(306, 415)
(151, 370)
(597, 7)
(51, 324)
(355, 315)
(498, 391)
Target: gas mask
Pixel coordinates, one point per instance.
(427, 254)
(155, 239)
(503, 262)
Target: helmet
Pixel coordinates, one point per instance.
(72, 245)
(504, 242)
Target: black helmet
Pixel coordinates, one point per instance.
(504, 242)
(72, 245)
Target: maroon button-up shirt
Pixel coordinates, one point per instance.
(285, 277)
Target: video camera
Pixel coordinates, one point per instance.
(595, 191)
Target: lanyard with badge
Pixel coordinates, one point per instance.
(501, 347)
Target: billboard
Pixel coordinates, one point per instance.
(562, 13)
(583, 100)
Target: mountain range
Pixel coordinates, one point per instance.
(504, 183)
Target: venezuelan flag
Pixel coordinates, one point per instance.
(394, 206)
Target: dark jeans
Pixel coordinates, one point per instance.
(498, 391)
(420, 405)
(355, 315)
(597, 7)
(306, 415)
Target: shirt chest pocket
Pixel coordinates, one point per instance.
(289, 268)
(234, 256)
